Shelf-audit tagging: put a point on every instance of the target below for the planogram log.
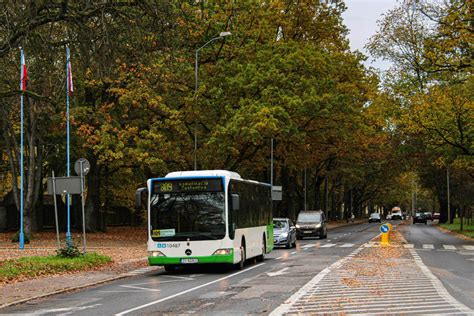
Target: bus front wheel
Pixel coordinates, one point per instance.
(264, 250)
(243, 254)
(170, 268)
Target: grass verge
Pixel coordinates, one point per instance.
(468, 230)
(32, 267)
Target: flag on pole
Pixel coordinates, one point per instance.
(69, 78)
(23, 72)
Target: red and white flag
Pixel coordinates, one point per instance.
(23, 73)
(69, 78)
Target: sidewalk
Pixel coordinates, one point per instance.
(20, 292)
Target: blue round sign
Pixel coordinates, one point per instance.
(384, 228)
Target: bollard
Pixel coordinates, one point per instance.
(385, 231)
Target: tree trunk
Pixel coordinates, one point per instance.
(317, 192)
(94, 218)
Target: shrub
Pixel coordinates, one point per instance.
(69, 251)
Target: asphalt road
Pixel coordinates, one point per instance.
(450, 258)
(258, 289)
(262, 287)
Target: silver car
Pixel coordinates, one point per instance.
(284, 232)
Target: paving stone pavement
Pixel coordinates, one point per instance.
(403, 286)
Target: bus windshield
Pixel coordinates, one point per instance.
(185, 216)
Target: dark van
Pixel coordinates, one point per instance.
(311, 224)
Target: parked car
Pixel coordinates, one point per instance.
(375, 217)
(284, 232)
(388, 217)
(429, 216)
(311, 224)
(436, 216)
(420, 218)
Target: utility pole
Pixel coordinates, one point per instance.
(305, 200)
(449, 202)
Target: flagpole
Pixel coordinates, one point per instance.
(68, 232)
(21, 236)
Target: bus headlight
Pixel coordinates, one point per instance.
(155, 253)
(223, 252)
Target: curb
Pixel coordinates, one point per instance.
(70, 289)
(73, 288)
(460, 236)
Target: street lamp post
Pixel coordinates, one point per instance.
(196, 75)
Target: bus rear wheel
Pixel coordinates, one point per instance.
(264, 250)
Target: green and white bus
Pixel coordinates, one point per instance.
(209, 216)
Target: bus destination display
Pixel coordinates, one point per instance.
(188, 185)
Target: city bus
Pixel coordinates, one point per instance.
(205, 217)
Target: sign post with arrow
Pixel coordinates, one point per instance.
(385, 230)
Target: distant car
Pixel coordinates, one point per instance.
(429, 216)
(397, 215)
(375, 217)
(436, 216)
(284, 232)
(420, 218)
(310, 224)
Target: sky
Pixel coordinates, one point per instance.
(361, 19)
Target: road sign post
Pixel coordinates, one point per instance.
(385, 231)
(82, 167)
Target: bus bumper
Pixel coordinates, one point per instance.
(162, 260)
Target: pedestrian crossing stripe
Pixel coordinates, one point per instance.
(449, 247)
(407, 246)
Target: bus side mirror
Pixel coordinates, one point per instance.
(139, 196)
(235, 202)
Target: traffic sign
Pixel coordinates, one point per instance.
(384, 228)
(82, 167)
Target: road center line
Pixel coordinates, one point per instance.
(187, 291)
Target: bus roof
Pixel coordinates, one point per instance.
(204, 173)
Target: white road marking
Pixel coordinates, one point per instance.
(409, 246)
(449, 247)
(294, 252)
(285, 307)
(187, 291)
(279, 258)
(346, 246)
(67, 310)
(279, 272)
(439, 286)
(328, 292)
(308, 246)
(468, 247)
(328, 245)
(178, 277)
(428, 246)
(140, 288)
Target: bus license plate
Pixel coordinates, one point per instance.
(189, 260)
